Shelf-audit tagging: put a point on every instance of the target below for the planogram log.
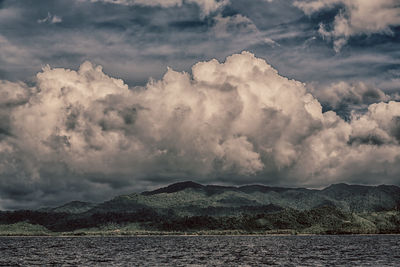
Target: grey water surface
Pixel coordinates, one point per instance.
(369, 250)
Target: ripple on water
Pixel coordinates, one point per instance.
(374, 250)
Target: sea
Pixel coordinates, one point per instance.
(331, 250)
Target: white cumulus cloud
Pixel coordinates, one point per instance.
(355, 95)
(355, 17)
(237, 120)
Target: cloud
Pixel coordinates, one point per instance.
(13, 93)
(243, 31)
(11, 52)
(207, 6)
(238, 121)
(355, 17)
(51, 19)
(165, 3)
(345, 98)
(137, 42)
(225, 26)
(380, 125)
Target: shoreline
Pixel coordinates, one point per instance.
(192, 235)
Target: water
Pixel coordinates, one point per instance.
(374, 250)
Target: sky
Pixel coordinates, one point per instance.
(106, 97)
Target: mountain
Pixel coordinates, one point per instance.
(358, 198)
(174, 188)
(189, 206)
(190, 198)
(74, 207)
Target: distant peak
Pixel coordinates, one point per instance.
(186, 184)
(262, 188)
(344, 185)
(216, 189)
(343, 188)
(338, 185)
(174, 188)
(76, 203)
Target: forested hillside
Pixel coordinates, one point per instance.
(188, 207)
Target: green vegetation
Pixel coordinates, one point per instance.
(22, 229)
(190, 208)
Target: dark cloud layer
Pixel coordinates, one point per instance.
(70, 131)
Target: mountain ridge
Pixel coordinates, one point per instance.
(341, 195)
(189, 206)
(190, 184)
(189, 198)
